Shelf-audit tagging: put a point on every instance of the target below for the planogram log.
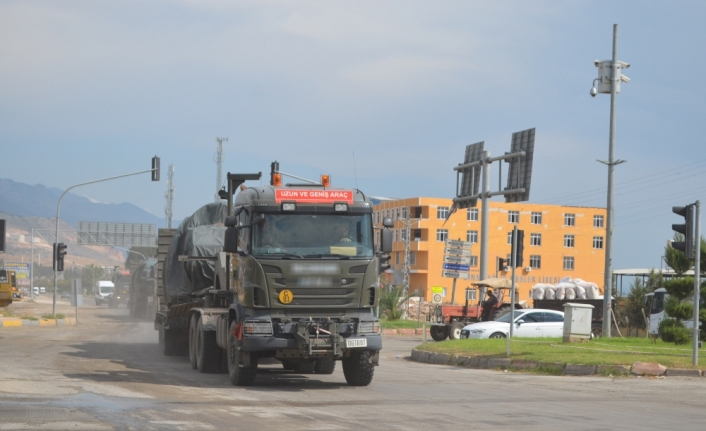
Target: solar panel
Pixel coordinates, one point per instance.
(470, 177)
(520, 174)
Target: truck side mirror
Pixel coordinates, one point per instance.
(230, 241)
(386, 241)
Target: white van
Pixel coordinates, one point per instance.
(36, 290)
(104, 289)
(42, 290)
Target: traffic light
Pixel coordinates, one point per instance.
(275, 176)
(59, 253)
(155, 168)
(502, 263)
(520, 248)
(687, 229)
(383, 263)
(2, 235)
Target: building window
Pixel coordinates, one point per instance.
(569, 219)
(509, 237)
(417, 234)
(442, 234)
(412, 257)
(597, 221)
(442, 213)
(513, 216)
(397, 258)
(403, 234)
(397, 214)
(536, 218)
(472, 214)
(474, 260)
(394, 235)
(569, 241)
(597, 242)
(568, 263)
(405, 212)
(535, 261)
(472, 236)
(536, 239)
(471, 294)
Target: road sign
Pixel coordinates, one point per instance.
(437, 294)
(456, 274)
(463, 260)
(457, 251)
(458, 244)
(457, 267)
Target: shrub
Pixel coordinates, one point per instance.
(681, 335)
(666, 329)
(390, 303)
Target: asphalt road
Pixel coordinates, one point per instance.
(107, 374)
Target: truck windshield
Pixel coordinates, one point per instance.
(314, 236)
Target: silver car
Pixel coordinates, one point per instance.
(528, 323)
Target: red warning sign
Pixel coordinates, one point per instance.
(314, 196)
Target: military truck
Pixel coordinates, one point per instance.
(280, 271)
(121, 291)
(448, 320)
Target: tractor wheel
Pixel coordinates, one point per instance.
(596, 331)
(500, 311)
(358, 368)
(439, 332)
(239, 374)
(455, 331)
(324, 366)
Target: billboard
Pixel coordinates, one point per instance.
(21, 272)
(117, 234)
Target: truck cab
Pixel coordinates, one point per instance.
(8, 286)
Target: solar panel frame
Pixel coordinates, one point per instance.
(470, 177)
(520, 172)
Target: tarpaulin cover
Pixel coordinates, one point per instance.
(200, 234)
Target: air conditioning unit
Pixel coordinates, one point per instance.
(528, 269)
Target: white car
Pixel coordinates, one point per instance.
(528, 323)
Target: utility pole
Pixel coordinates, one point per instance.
(169, 195)
(219, 161)
(407, 222)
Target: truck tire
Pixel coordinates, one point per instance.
(192, 340)
(500, 311)
(289, 365)
(305, 367)
(324, 366)
(439, 332)
(208, 354)
(239, 375)
(358, 368)
(455, 330)
(169, 342)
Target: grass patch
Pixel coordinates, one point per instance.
(603, 351)
(52, 316)
(28, 318)
(400, 324)
(4, 312)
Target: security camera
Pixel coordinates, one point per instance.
(593, 91)
(624, 78)
(596, 62)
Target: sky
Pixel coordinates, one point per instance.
(381, 95)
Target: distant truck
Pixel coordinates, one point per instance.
(8, 286)
(447, 321)
(104, 288)
(142, 301)
(121, 289)
(284, 272)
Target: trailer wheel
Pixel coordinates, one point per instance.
(358, 368)
(289, 365)
(305, 367)
(239, 375)
(192, 341)
(439, 332)
(208, 354)
(455, 330)
(324, 366)
(169, 342)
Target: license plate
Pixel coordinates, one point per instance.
(356, 342)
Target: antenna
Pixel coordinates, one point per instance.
(355, 171)
(169, 195)
(219, 161)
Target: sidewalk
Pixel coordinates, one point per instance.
(16, 322)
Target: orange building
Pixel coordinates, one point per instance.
(559, 241)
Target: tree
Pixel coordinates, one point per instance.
(90, 275)
(635, 305)
(676, 259)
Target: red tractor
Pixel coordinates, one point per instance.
(448, 320)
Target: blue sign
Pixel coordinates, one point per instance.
(457, 267)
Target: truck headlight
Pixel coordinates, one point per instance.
(257, 327)
(477, 331)
(369, 327)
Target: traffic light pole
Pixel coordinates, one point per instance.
(697, 280)
(58, 208)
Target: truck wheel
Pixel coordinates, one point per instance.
(169, 342)
(324, 366)
(358, 368)
(239, 375)
(192, 341)
(289, 365)
(500, 311)
(208, 354)
(455, 331)
(439, 332)
(305, 367)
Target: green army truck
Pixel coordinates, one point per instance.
(143, 290)
(285, 272)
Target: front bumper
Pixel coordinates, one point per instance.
(259, 343)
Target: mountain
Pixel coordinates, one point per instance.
(40, 201)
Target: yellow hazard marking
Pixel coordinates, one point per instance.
(285, 296)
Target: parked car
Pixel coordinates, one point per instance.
(42, 290)
(528, 323)
(65, 295)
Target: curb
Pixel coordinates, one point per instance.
(493, 362)
(18, 323)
